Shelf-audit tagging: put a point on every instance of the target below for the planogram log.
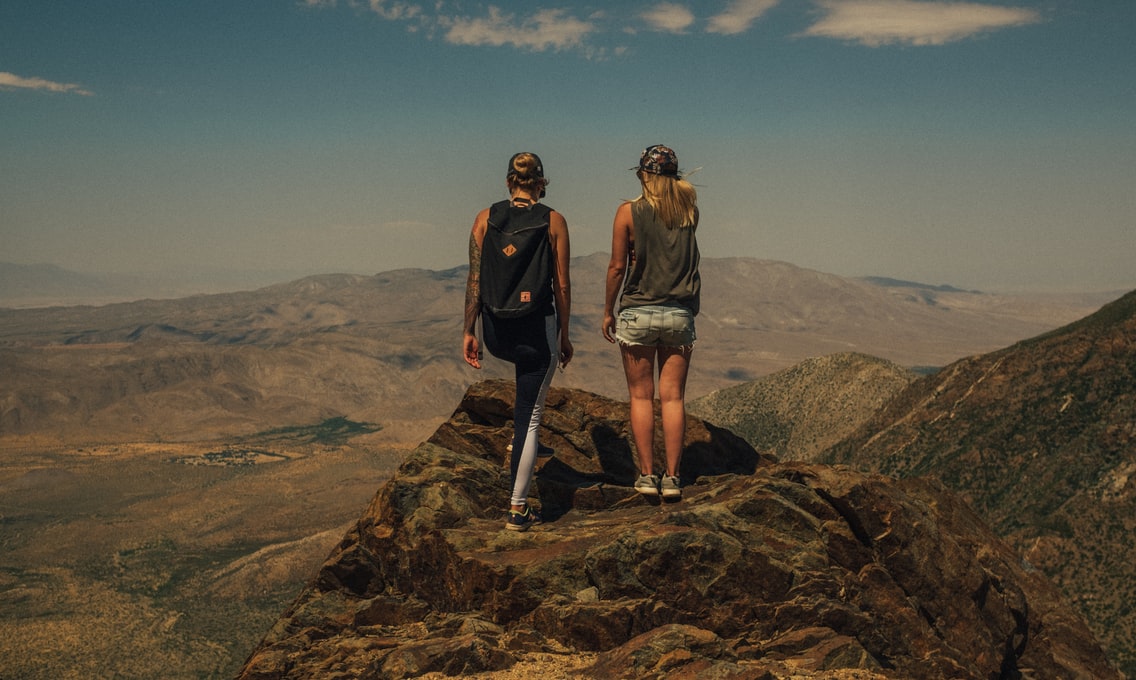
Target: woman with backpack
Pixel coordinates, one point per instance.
(654, 274)
(519, 287)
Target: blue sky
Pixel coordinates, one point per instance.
(981, 144)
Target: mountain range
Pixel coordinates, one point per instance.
(172, 470)
(49, 285)
(385, 348)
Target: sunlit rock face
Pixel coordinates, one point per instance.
(762, 569)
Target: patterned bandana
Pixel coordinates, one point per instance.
(659, 160)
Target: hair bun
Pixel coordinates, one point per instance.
(526, 165)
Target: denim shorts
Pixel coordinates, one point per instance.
(656, 325)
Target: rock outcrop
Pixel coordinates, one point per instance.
(763, 570)
(1040, 437)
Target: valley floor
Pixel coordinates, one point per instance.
(158, 560)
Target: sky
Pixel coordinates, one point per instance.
(987, 144)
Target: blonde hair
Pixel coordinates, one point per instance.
(526, 172)
(674, 200)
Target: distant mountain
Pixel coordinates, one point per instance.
(48, 285)
(887, 282)
(798, 413)
(46, 281)
(386, 348)
(1041, 438)
(379, 349)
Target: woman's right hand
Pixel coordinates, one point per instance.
(609, 327)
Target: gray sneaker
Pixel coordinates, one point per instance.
(648, 485)
(521, 521)
(670, 487)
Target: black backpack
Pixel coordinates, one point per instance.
(516, 261)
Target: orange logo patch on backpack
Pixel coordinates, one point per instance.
(526, 296)
(509, 250)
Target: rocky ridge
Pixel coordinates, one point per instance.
(1039, 437)
(764, 570)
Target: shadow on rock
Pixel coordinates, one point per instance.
(763, 570)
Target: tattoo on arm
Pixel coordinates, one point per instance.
(473, 286)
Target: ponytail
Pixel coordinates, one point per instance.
(674, 200)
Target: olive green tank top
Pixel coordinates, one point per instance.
(663, 266)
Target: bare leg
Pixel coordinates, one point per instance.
(674, 364)
(639, 366)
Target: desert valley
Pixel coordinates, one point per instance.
(174, 475)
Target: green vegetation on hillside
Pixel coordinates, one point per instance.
(331, 432)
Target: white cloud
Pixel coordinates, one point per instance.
(868, 22)
(10, 80)
(543, 30)
(547, 29)
(395, 11)
(882, 22)
(669, 17)
(739, 16)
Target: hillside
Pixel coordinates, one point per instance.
(1039, 436)
(166, 561)
(763, 570)
(384, 348)
(377, 349)
(798, 413)
(119, 557)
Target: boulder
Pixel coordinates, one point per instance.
(763, 570)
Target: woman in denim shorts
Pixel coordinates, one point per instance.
(653, 275)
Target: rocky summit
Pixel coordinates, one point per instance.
(763, 570)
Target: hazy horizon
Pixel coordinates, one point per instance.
(213, 280)
(46, 285)
(986, 145)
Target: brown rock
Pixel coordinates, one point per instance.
(763, 570)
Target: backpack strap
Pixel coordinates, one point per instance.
(500, 212)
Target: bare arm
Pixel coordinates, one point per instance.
(622, 233)
(561, 280)
(470, 347)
